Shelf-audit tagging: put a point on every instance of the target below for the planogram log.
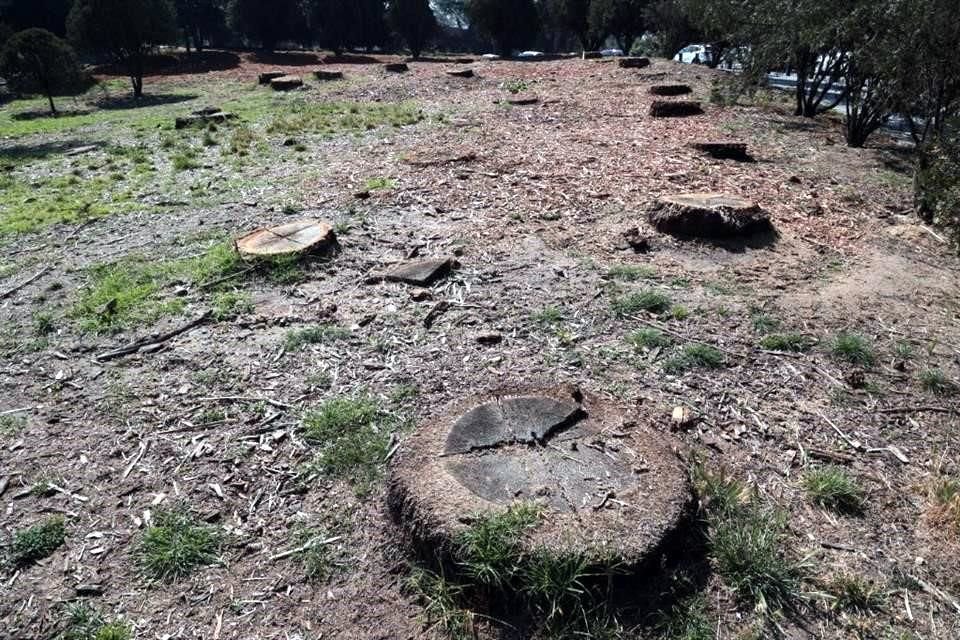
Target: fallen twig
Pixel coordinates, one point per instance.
(313, 543)
(936, 593)
(36, 276)
(133, 347)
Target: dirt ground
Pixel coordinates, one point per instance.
(533, 201)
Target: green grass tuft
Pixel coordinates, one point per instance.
(176, 544)
(296, 339)
(694, 356)
(854, 594)
(490, 549)
(38, 542)
(648, 339)
(852, 348)
(649, 300)
(833, 488)
(553, 583)
(686, 620)
(316, 556)
(441, 598)
(764, 323)
(548, 316)
(631, 272)
(791, 342)
(936, 381)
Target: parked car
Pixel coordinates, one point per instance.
(611, 53)
(490, 56)
(695, 54)
(530, 54)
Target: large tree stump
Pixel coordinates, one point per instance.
(724, 150)
(625, 503)
(396, 67)
(268, 76)
(675, 108)
(708, 215)
(633, 63)
(286, 83)
(327, 76)
(670, 89)
(292, 238)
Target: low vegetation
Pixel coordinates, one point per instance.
(38, 541)
(176, 544)
(852, 348)
(694, 356)
(853, 593)
(793, 342)
(298, 338)
(633, 303)
(833, 488)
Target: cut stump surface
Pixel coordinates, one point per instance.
(709, 215)
(396, 67)
(633, 63)
(675, 108)
(286, 83)
(549, 446)
(326, 76)
(292, 238)
(670, 89)
(460, 73)
(724, 150)
(268, 76)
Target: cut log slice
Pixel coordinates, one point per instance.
(543, 445)
(268, 76)
(670, 89)
(292, 238)
(520, 99)
(709, 215)
(460, 73)
(675, 108)
(724, 150)
(396, 67)
(326, 76)
(633, 63)
(286, 83)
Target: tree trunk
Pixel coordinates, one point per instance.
(53, 107)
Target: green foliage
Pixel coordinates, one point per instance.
(937, 382)
(786, 342)
(686, 620)
(835, 489)
(490, 549)
(855, 594)
(316, 555)
(84, 622)
(623, 19)
(379, 183)
(764, 323)
(648, 300)
(648, 338)
(116, 630)
(719, 493)
(329, 118)
(548, 316)
(554, 583)
(946, 501)
(230, 304)
(852, 348)
(631, 272)
(511, 24)
(176, 544)
(267, 23)
(38, 541)
(414, 21)
(321, 333)
(352, 439)
(695, 355)
(937, 182)
(36, 61)
(11, 424)
(441, 600)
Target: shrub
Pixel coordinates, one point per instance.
(937, 183)
(36, 61)
(693, 356)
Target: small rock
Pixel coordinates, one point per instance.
(421, 273)
(683, 418)
(269, 76)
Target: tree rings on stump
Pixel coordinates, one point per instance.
(674, 108)
(620, 496)
(633, 63)
(292, 238)
(326, 76)
(724, 150)
(709, 215)
(396, 67)
(286, 83)
(670, 89)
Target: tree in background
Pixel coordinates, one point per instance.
(37, 61)
(673, 28)
(44, 14)
(371, 28)
(414, 21)
(266, 23)
(337, 21)
(5, 33)
(198, 19)
(511, 24)
(126, 30)
(623, 19)
(574, 15)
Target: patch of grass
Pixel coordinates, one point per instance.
(317, 555)
(679, 312)
(176, 544)
(631, 272)
(352, 438)
(649, 300)
(38, 541)
(648, 338)
(440, 599)
(230, 304)
(43, 324)
(852, 348)
(115, 630)
(686, 620)
(855, 594)
(695, 356)
(489, 550)
(945, 497)
(379, 183)
(553, 583)
(791, 342)
(835, 489)
(296, 339)
(184, 161)
(548, 316)
(332, 118)
(515, 86)
(719, 493)
(12, 424)
(764, 323)
(937, 382)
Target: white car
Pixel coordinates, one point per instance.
(530, 54)
(611, 53)
(694, 54)
(490, 56)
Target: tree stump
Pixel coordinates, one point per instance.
(219, 117)
(592, 55)
(708, 215)
(633, 63)
(675, 108)
(460, 73)
(724, 150)
(326, 76)
(292, 238)
(670, 89)
(488, 452)
(521, 99)
(396, 67)
(286, 83)
(268, 76)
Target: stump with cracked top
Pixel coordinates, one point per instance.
(291, 238)
(607, 482)
(709, 215)
(670, 89)
(675, 108)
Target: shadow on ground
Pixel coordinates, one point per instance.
(43, 149)
(149, 100)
